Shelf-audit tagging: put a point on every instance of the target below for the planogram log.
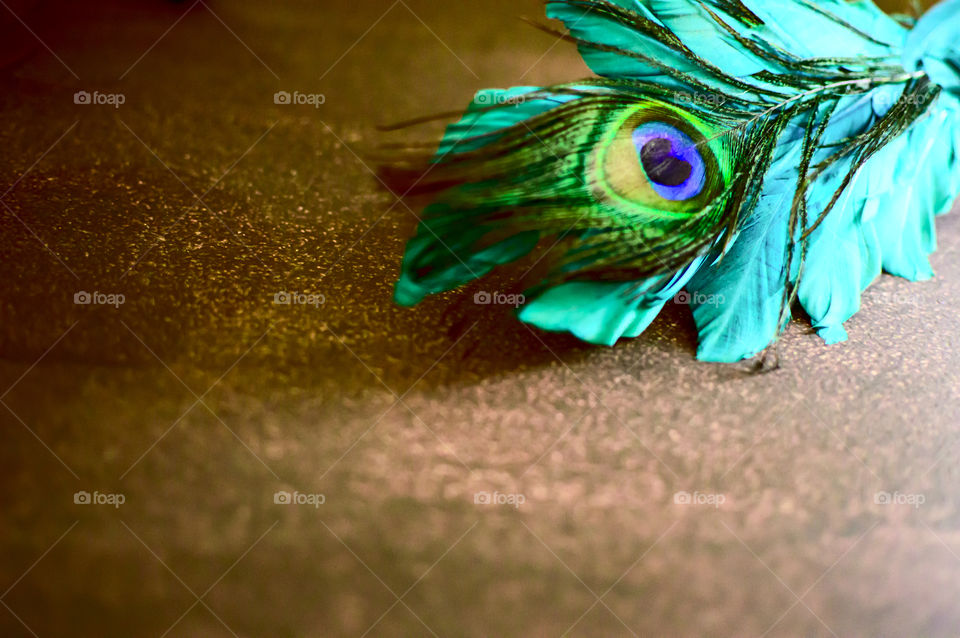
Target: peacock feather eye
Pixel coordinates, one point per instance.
(660, 158)
(670, 160)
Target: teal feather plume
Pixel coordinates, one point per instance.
(742, 156)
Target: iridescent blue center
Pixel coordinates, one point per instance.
(670, 160)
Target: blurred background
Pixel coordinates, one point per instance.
(215, 422)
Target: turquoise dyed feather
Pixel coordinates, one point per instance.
(740, 156)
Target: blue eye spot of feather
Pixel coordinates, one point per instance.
(671, 161)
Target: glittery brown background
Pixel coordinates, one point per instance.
(198, 399)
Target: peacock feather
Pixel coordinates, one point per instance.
(742, 156)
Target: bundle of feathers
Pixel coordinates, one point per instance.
(742, 156)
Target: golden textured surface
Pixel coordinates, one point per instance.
(199, 398)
